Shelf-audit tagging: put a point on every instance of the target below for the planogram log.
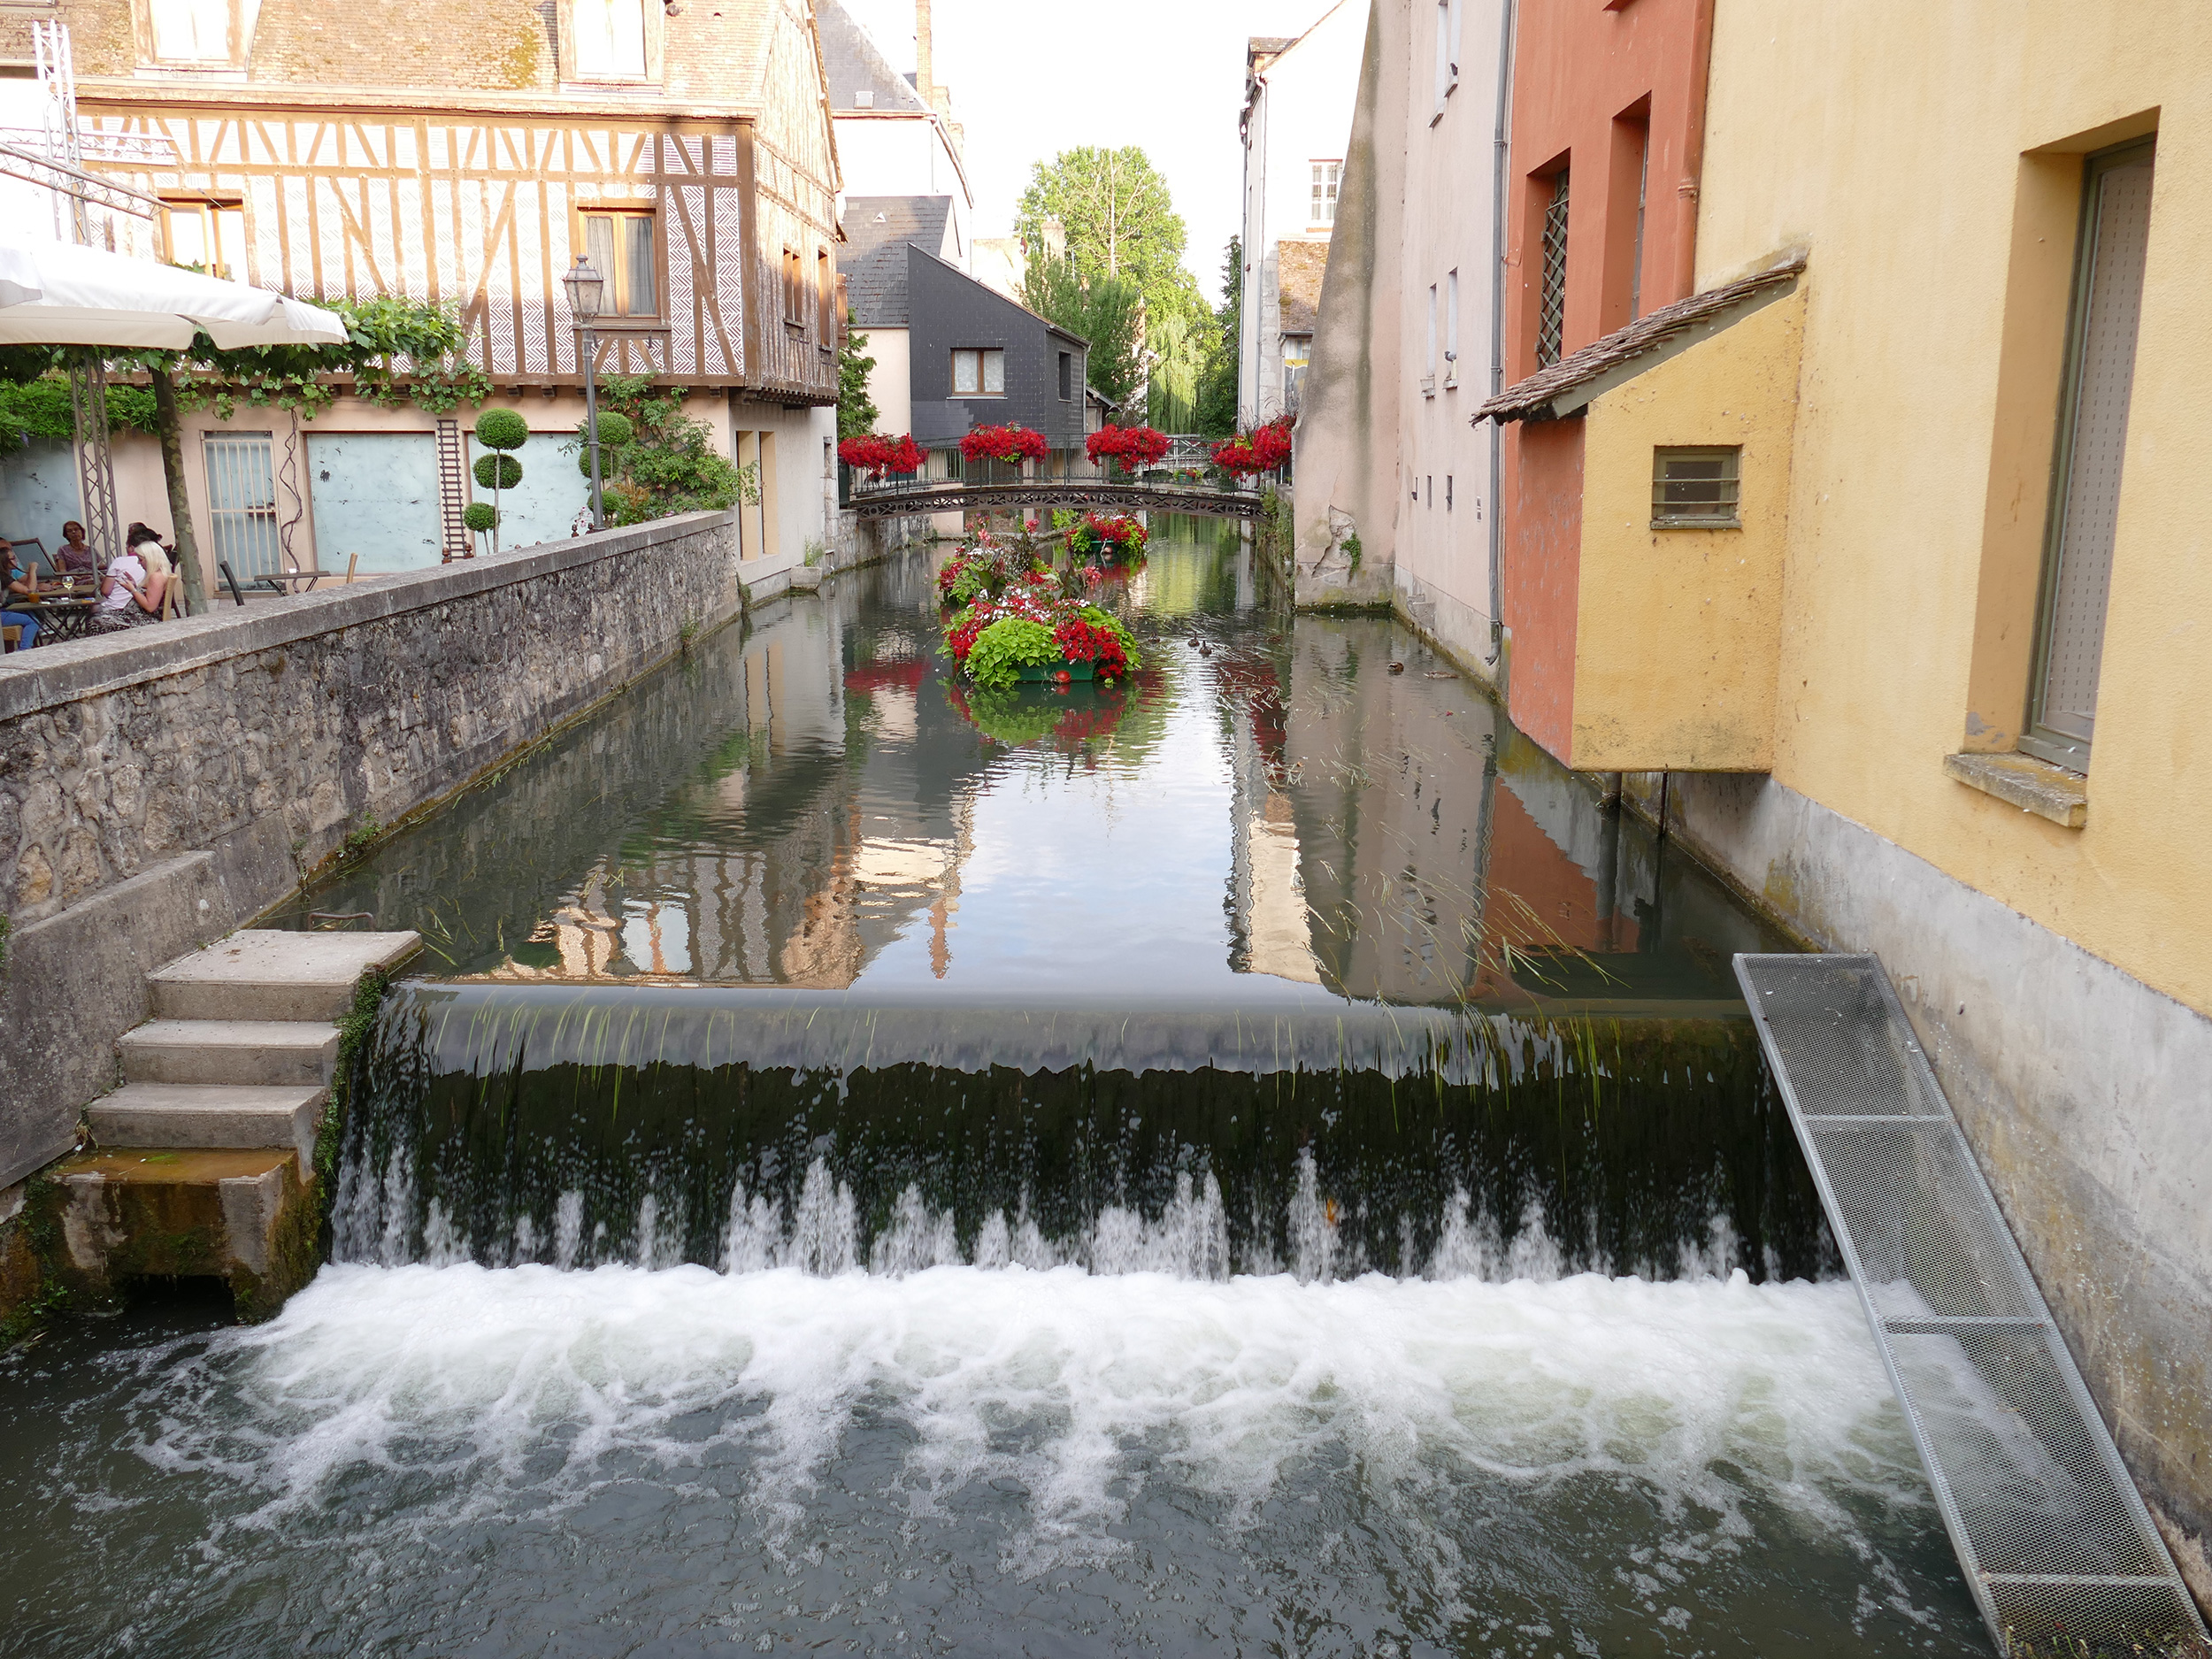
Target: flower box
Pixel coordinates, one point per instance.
(1064, 670)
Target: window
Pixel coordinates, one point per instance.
(1551, 308)
(1326, 176)
(794, 291)
(1067, 376)
(1643, 188)
(619, 244)
(1695, 488)
(209, 235)
(979, 372)
(610, 39)
(1447, 50)
(825, 301)
(1296, 354)
(191, 31)
(1428, 377)
(2091, 439)
(1451, 328)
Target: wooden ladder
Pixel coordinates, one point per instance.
(452, 495)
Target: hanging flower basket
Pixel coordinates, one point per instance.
(1262, 449)
(1012, 444)
(1134, 448)
(880, 456)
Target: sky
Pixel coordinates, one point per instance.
(1030, 80)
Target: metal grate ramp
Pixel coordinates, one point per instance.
(2056, 1545)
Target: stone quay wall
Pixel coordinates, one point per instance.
(161, 788)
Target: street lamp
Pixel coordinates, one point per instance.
(584, 287)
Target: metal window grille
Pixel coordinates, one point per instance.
(1694, 489)
(1551, 311)
(2056, 1543)
(241, 501)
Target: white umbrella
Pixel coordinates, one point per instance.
(53, 293)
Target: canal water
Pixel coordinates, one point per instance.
(1250, 1160)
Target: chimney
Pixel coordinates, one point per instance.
(923, 54)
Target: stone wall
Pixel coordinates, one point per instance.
(161, 788)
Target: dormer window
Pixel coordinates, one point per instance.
(197, 34)
(609, 37)
(608, 40)
(865, 99)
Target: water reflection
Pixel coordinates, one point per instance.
(1276, 810)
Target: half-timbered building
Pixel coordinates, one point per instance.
(466, 154)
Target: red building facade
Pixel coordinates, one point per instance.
(1607, 130)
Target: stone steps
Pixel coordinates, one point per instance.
(244, 1043)
(255, 1051)
(262, 974)
(213, 1115)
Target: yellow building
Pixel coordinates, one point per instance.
(1929, 666)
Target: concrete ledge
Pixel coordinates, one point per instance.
(2031, 785)
(56, 674)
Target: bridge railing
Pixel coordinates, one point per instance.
(1188, 466)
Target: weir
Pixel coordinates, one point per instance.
(729, 1128)
(2057, 1546)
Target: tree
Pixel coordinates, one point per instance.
(1106, 310)
(856, 412)
(1120, 221)
(1217, 385)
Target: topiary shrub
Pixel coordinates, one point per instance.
(502, 429)
(498, 471)
(616, 435)
(481, 515)
(498, 430)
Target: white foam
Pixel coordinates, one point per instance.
(473, 1373)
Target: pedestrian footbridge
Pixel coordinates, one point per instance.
(2056, 1544)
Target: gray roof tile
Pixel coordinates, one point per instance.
(872, 261)
(854, 64)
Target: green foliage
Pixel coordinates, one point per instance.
(397, 351)
(1351, 550)
(1107, 620)
(1217, 380)
(41, 408)
(1009, 645)
(616, 433)
(497, 471)
(481, 515)
(856, 412)
(502, 429)
(1106, 310)
(1178, 347)
(354, 1031)
(667, 465)
(1118, 219)
(363, 834)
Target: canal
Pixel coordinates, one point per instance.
(1249, 1160)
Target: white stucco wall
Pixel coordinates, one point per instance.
(890, 383)
(1443, 550)
(1303, 114)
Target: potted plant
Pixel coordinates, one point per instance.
(1033, 633)
(1132, 448)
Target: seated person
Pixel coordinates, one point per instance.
(143, 541)
(130, 596)
(16, 583)
(75, 556)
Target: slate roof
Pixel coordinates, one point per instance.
(1299, 266)
(872, 261)
(1561, 388)
(853, 64)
